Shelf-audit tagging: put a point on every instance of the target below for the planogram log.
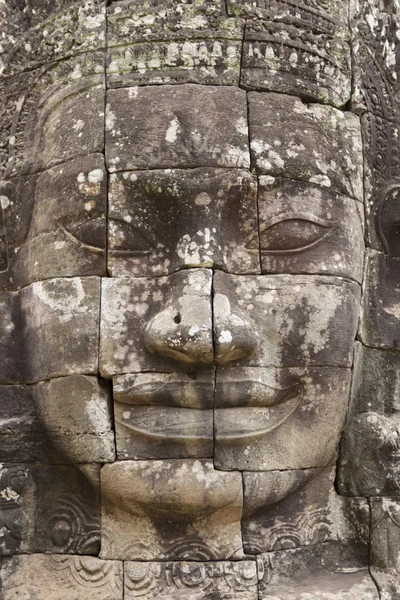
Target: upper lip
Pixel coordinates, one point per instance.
(176, 389)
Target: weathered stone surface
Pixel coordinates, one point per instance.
(45, 576)
(49, 509)
(55, 222)
(313, 143)
(165, 220)
(76, 413)
(327, 571)
(380, 326)
(62, 420)
(38, 330)
(41, 31)
(300, 48)
(266, 417)
(188, 126)
(146, 323)
(13, 479)
(191, 581)
(52, 114)
(376, 60)
(164, 415)
(374, 27)
(289, 320)
(289, 509)
(58, 508)
(171, 509)
(21, 432)
(309, 229)
(385, 546)
(178, 42)
(369, 457)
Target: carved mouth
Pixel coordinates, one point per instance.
(173, 407)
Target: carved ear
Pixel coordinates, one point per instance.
(389, 221)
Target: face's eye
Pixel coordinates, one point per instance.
(128, 240)
(292, 232)
(86, 234)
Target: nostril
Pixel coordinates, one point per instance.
(177, 318)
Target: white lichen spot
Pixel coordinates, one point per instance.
(225, 337)
(241, 126)
(202, 199)
(96, 176)
(5, 202)
(193, 330)
(173, 130)
(133, 92)
(110, 118)
(59, 245)
(321, 180)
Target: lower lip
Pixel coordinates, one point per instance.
(238, 423)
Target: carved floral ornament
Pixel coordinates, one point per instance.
(199, 299)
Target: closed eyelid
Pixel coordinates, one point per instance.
(280, 219)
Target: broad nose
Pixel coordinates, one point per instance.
(193, 328)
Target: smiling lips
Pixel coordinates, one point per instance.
(173, 406)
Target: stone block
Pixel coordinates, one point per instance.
(265, 418)
(306, 228)
(288, 320)
(49, 509)
(380, 325)
(188, 126)
(191, 580)
(76, 415)
(369, 457)
(47, 576)
(164, 415)
(296, 48)
(180, 42)
(385, 546)
(59, 421)
(50, 329)
(165, 220)
(327, 571)
(22, 437)
(52, 114)
(146, 323)
(170, 510)
(291, 509)
(312, 143)
(56, 224)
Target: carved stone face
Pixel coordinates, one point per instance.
(228, 315)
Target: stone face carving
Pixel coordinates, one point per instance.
(182, 266)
